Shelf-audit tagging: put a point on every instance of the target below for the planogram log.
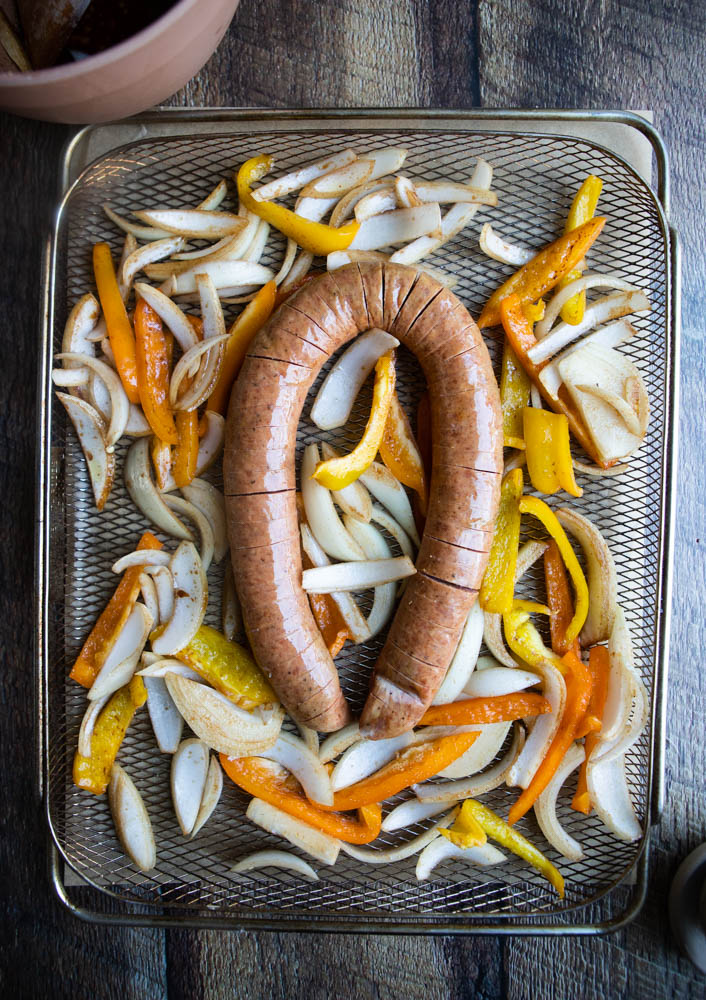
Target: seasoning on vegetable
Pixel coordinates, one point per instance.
(93, 773)
(514, 397)
(546, 438)
(582, 209)
(483, 711)
(498, 583)
(152, 365)
(122, 339)
(227, 667)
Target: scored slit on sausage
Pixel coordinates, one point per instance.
(260, 482)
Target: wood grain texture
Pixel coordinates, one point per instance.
(317, 53)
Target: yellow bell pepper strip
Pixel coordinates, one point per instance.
(544, 271)
(498, 830)
(599, 668)
(524, 639)
(400, 453)
(582, 209)
(241, 333)
(578, 692)
(227, 667)
(93, 773)
(537, 508)
(116, 612)
(519, 333)
(534, 311)
(548, 451)
(413, 765)
(498, 583)
(253, 775)
(122, 339)
(483, 711)
(561, 605)
(337, 473)
(316, 237)
(466, 830)
(152, 366)
(186, 452)
(514, 397)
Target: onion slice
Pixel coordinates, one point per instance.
(478, 784)
(231, 614)
(70, 378)
(144, 493)
(543, 729)
(198, 223)
(211, 503)
(190, 600)
(211, 795)
(292, 753)
(408, 813)
(310, 738)
(319, 845)
(168, 665)
(482, 753)
(188, 781)
(610, 335)
(182, 506)
(582, 284)
(356, 575)
(141, 557)
(334, 400)
(389, 855)
(149, 595)
(494, 246)
(275, 859)
(121, 662)
(132, 822)
(140, 258)
(146, 233)
(375, 547)
(337, 182)
(398, 226)
(365, 757)
(497, 680)
(79, 326)
(225, 275)
(297, 179)
(167, 723)
(164, 587)
(350, 612)
(610, 797)
(392, 495)
(326, 526)
(602, 576)
(464, 659)
(90, 429)
(441, 849)
(387, 521)
(545, 807)
(119, 403)
(170, 314)
(337, 743)
(88, 722)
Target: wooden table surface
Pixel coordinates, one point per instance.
(312, 53)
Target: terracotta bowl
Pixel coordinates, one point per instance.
(130, 77)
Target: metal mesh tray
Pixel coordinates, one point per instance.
(535, 176)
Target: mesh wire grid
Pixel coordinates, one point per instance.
(535, 177)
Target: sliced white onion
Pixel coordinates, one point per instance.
(386, 856)
(455, 220)
(70, 378)
(464, 659)
(188, 781)
(477, 784)
(480, 754)
(139, 259)
(202, 523)
(77, 333)
(88, 723)
(346, 206)
(387, 521)
(601, 311)
(275, 859)
(211, 503)
(292, 753)
(392, 495)
(258, 243)
(120, 405)
(203, 384)
(602, 576)
(310, 738)
(193, 222)
(211, 444)
(610, 797)
(137, 425)
(162, 666)
(325, 524)
(385, 161)
(405, 193)
(297, 179)
(225, 275)
(141, 232)
(337, 743)
(132, 822)
(611, 335)
(211, 795)
(190, 600)
(441, 849)
(167, 723)
(149, 596)
(408, 813)
(121, 662)
(230, 247)
(494, 246)
(170, 314)
(338, 182)
(497, 680)
(141, 557)
(627, 704)
(215, 198)
(545, 807)
(350, 612)
(543, 729)
(451, 192)
(375, 547)
(298, 270)
(445, 279)
(145, 494)
(582, 284)
(356, 575)
(377, 202)
(535, 397)
(231, 614)
(398, 226)
(319, 845)
(164, 589)
(365, 757)
(334, 400)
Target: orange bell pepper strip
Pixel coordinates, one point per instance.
(400, 453)
(329, 622)
(241, 333)
(582, 209)
(117, 611)
(599, 667)
(93, 773)
(514, 396)
(498, 584)
(578, 692)
(482, 711)
(544, 271)
(413, 765)
(253, 776)
(152, 365)
(561, 605)
(519, 333)
(316, 237)
(122, 339)
(186, 452)
(548, 451)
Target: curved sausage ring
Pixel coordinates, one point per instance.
(260, 482)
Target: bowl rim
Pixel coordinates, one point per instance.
(84, 67)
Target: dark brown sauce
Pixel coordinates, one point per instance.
(108, 22)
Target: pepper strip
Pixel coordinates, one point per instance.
(497, 829)
(599, 667)
(498, 583)
(537, 508)
(548, 451)
(186, 452)
(400, 453)
(241, 333)
(582, 209)
(413, 765)
(122, 339)
(93, 773)
(227, 667)
(117, 611)
(544, 271)
(466, 830)
(561, 605)
(316, 237)
(252, 775)
(519, 333)
(524, 639)
(337, 473)
(514, 396)
(152, 367)
(482, 711)
(578, 692)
